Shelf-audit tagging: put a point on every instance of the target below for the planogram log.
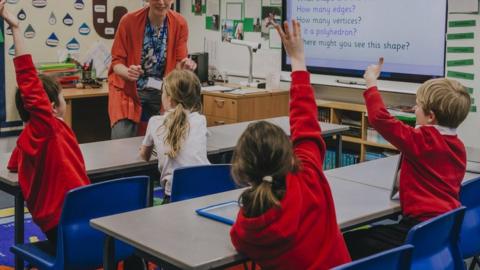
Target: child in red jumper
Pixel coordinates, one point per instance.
(433, 158)
(47, 156)
(287, 218)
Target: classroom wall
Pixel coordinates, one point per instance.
(39, 19)
(225, 56)
(234, 60)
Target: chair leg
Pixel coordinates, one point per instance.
(253, 266)
(475, 262)
(245, 266)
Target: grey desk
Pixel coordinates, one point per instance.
(112, 158)
(7, 144)
(175, 235)
(377, 173)
(473, 160)
(226, 137)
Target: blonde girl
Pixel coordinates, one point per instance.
(179, 137)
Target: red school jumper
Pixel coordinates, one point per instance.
(303, 233)
(433, 164)
(47, 156)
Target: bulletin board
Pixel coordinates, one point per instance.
(212, 23)
(53, 29)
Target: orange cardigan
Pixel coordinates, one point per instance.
(123, 100)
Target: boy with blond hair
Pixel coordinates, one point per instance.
(433, 158)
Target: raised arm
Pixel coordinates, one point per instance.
(35, 99)
(404, 137)
(14, 25)
(305, 130)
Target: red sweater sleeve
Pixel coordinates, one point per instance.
(305, 131)
(402, 136)
(182, 40)
(119, 46)
(35, 99)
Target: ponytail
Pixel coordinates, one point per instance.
(183, 87)
(176, 126)
(257, 200)
(262, 160)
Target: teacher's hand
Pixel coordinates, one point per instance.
(187, 63)
(134, 72)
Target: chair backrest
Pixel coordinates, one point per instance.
(195, 181)
(79, 245)
(394, 259)
(436, 242)
(470, 232)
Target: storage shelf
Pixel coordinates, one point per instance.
(352, 139)
(359, 111)
(381, 145)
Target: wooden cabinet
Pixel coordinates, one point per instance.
(227, 108)
(361, 137)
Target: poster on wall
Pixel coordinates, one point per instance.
(271, 15)
(103, 27)
(239, 32)
(199, 7)
(227, 30)
(212, 20)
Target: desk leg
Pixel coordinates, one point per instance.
(338, 156)
(151, 185)
(19, 227)
(67, 117)
(109, 253)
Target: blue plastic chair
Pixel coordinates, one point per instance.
(436, 242)
(394, 259)
(195, 181)
(470, 232)
(79, 246)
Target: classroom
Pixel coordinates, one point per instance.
(239, 134)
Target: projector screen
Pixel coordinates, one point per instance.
(342, 37)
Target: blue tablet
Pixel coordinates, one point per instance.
(224, 212)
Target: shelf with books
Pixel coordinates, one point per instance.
(360, 134)
(352, 139)
(382, 145)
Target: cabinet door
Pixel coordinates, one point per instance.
(220, 107)
(218, 121)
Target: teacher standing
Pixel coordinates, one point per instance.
(149, 43)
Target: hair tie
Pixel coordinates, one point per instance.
(268, 178)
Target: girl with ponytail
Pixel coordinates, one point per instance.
(287, 217)
(180, 135)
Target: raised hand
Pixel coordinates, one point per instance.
(373, 72)
(7, 15)
(293, 42)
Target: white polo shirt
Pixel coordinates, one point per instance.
(192, 152)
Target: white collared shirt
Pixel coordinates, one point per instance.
(192, 152)
(442, 129)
